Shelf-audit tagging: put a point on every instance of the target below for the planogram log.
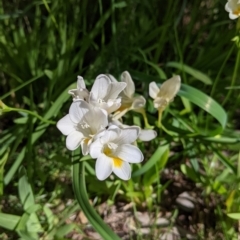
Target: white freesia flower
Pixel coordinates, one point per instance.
(233, 7)
(81, 93)
(165, 94)
(81, 125)
(129, 102)
(114, 151)
(105, 93)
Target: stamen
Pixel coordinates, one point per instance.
(84, 125)
(100, 100)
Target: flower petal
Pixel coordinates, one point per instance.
(123, 171)
(80, 83)
(110, 135)
(112, 105)
(79, 94)
(112, 78)
(73, 140)
(85, 144)
(96, 148)
(138, 102)
(130, 89)
(129, 153)
(78, 110)
(114, 89)
(128, 135)
(65, 125)
(103, 167)
(227, 8)
(169, 88)
(233, 16)
(147, 135)
(100, 87)
(96, 118)
(153, 90)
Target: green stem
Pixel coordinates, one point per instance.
(215, 83)
(159, 123)
(233, 78)
(31, 113)
(79, 186)
(147, 125)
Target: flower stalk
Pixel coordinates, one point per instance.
(79, 186)
(5, 108)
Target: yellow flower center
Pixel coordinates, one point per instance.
(117, 162)
(237, 11)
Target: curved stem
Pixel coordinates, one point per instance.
(236, 68)
(79, 186)
(31, 113)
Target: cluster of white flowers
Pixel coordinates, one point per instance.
(93, 122)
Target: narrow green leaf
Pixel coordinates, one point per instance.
(21, 86)
(193, 72)
(205, 102)
(79, 187)
(224, 160)
(158, 154)
(25, 191)
(54, 109)
(3, 161)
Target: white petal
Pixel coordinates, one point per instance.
(112, 106)
(73, 140)
(114, 89)
(227, 8)
(112, 78)
(79, 94)
(153, 90)
(170, 88)
(129, 153)
(103, 167)
(96, 118)
(147, 135)
(124, 171)
(85, 146)
(96, 148)
(233, 16)
(127, 135)
(80, 83)
(110, 135)
(78, 110)
(100, 87)
(65, 125)
(138, 102)
(130, 89)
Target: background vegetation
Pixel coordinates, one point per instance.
(44, 45)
